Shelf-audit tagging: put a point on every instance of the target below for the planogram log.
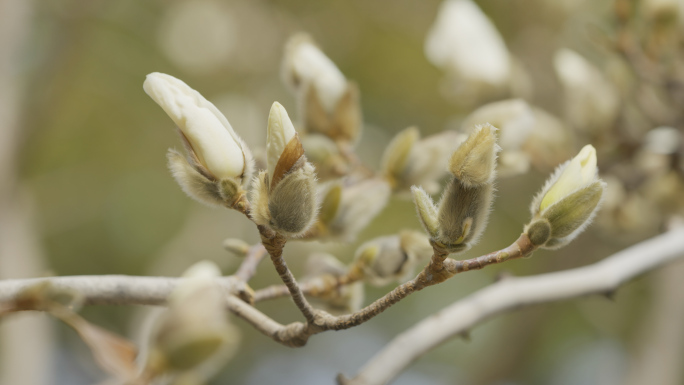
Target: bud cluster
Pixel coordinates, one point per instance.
(459, 219)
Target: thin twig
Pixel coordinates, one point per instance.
(319, 286)
(249, 265)
(512, 293)
(274, 246)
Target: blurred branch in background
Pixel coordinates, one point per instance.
(603, 277)
(26, 342)
(659, 356)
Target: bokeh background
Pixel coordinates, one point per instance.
(85, 188)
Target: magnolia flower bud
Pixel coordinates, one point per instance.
(208, 132)
(591, 102)
(284, 196)
(347, 209)
(280, 133)
(329, 104)
(218, 161)
(409, 160)
(515, 121)
(325, 155)
(461, 216)
(567, 203)
(465, 43)
(304, 63)
(392, 258)
(195, 327)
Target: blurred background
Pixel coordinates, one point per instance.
(84, 186)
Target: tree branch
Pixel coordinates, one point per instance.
(602, 277)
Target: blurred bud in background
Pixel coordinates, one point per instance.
(409, 160)
(347, 209)
(467, 46)
(393, 258)
(328, 103)
(515, 120)
(345, 298)
(591, 102)
(324, 153)
(195, 329)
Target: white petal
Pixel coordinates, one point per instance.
(312, 66)
(280, 132)
(211, 136)
(578, 173)
(212, 143)
(465, 41)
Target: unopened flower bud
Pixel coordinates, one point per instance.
(218, 161)
(567, 203)
(325, 155)
(210, 135)
(461, 216)
(427, 211)
(465, 43)
(280, 133)
(284, 196)
(392, 258)
(329, 104)
(195, 327)
(409, 160)
(474, 160)
(304, 63)
(347, 209)
(591, 102)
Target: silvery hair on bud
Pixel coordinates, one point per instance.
(194, 184)
(465, 205)
(291, 207)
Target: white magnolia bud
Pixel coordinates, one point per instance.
(208, 132)
(194, 330)
(568, 202)
(280, 132)
(304, 63)
(464, 41)
(591, 102)
(579, 172)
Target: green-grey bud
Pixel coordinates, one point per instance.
(464, 208)
(568, 202)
